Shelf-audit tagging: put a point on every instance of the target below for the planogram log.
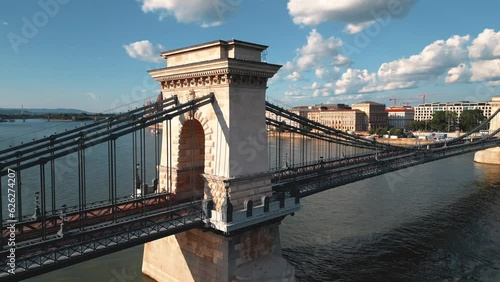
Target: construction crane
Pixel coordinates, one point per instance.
(423, 97)
(394, 99)
(427, 95)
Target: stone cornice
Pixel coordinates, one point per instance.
(223, 71)
(210, 178)
(215, 67)
(216, 72)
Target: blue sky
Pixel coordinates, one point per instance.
(93, 55)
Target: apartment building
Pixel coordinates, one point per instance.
(345, 120)
(400, 116)
(425, 111)
(376, 116)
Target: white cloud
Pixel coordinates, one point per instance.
(457, 59)
(313, 86)
(315, 55)
(5, 23)
(448, 58)
(486, 46)
(461, 73)
(358, 14)
(316, 50)
(295, 92)
(276, 77)
(322, 72)
(494, 83)
(294, 76)
(353, 28)
(92, 95)
(488, 70)
(354, 80)
(484, 53)
(341, 61)
(434, 60)
(443, 57)
(318, 89)
(361, 81)
(288, 66)
(322, 92)
(343, 98)
(144, 51)
(381, 86)
(206, 13)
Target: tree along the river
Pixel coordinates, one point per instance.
(470, 119)
(444, 121)
(419, 125)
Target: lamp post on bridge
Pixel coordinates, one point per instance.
(62, 217)
(137, 179)
(37, 206)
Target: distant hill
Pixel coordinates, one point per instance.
(42, 111)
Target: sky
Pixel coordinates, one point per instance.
(94, 55)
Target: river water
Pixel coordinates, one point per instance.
(434, 222)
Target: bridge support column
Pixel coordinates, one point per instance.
(491, 156)
(488, 156)
(196, 255)
(219, 152)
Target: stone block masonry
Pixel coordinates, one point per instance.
(197, 255)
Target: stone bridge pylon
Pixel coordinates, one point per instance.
(491, 156)
(211, 152)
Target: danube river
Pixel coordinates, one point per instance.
(434, 222)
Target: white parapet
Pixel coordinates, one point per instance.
(241, 220)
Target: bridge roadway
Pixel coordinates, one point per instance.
(102, 228)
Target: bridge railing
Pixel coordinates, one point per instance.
(49, 219)
(133, 123)
(354, 139)
(50, 236)
(314, 179)
(56, 252)
(69, 135)
(476, 128)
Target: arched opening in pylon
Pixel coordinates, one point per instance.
(191, 160)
